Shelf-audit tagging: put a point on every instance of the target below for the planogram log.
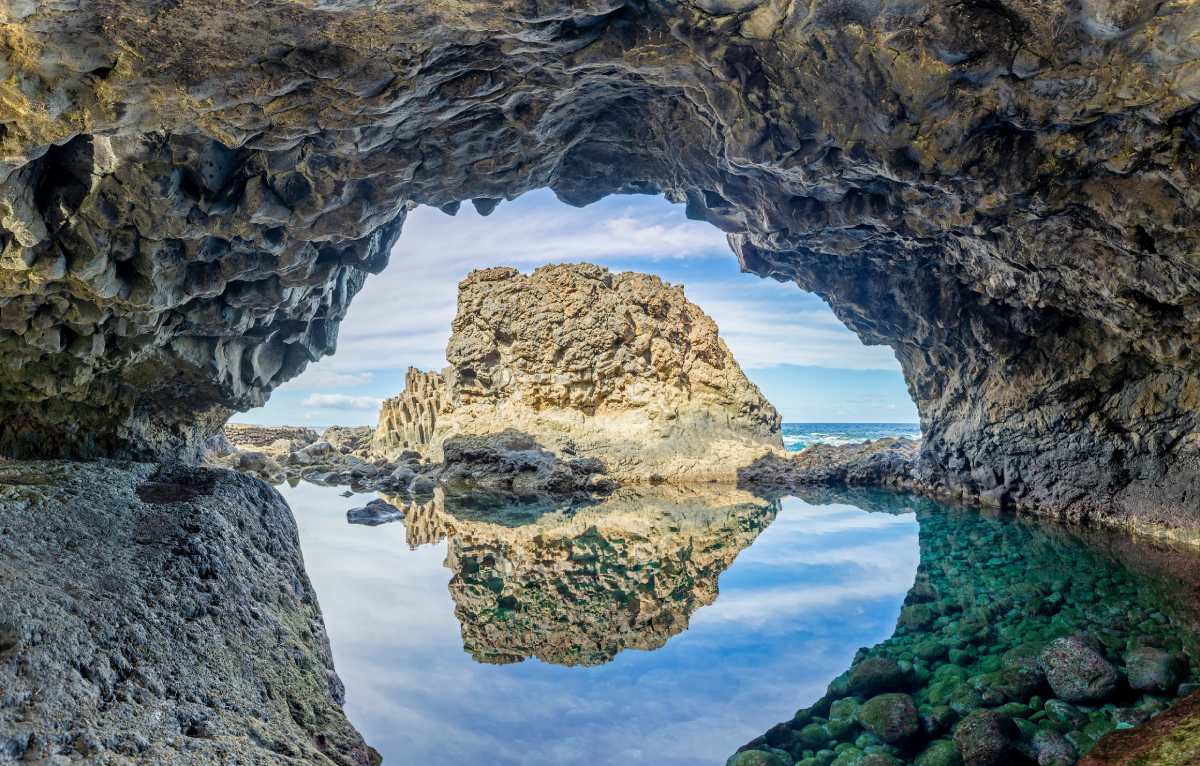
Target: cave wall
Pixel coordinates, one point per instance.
(192, 192)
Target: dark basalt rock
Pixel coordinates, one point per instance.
(190, 195)
(374, 513)
(160, 616)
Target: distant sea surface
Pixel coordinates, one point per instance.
(797, 436)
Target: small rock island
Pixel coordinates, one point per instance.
(621, 368)
(569, 380)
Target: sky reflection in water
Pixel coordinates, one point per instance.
(819, 582)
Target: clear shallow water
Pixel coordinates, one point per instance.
(818, 582)
(797, 436)
(671, 626)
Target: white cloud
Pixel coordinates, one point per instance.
(342, 402)
(320, 376)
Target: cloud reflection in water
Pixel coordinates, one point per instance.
(816, 584)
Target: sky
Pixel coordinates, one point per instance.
(809, 365)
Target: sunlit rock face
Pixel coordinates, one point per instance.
(616, 367)
(1001, 192)
(407, 420)
(578, 585)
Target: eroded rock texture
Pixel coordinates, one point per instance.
(160, 616)
(1003, 192)
(407, 420)
(616, 368)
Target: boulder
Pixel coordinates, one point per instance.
(874, 675)
(985, 738)
(1155, 670)
(1076, 670)
(758, 758)
(374, 513)
(892, 717)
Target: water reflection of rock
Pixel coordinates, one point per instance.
(576, 585)
(1028, 641)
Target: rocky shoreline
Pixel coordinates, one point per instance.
(508, 462)
(161, 615)
(1007, 651)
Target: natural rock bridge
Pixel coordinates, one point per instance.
(1004, 192)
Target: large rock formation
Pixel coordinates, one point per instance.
(1004, 192)
(577, 585)
(620, 368)
(160, 616)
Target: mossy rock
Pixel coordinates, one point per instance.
(892, 717)
(939, 753)
(758, 758)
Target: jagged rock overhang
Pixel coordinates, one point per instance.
(1003, 193)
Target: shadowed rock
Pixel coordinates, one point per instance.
(160, 616)
(191, 193)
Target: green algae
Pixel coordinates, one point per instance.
(991, 594)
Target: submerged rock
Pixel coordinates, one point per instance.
(985, 738)
(1005, 600)
(874, 675)
(1155, 670)
(892, 717)
(1076, 671)
(160, 615)
(758, 758)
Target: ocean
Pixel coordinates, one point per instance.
(797, 436)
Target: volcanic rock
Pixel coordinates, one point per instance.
(1001, 193)
(157, 615)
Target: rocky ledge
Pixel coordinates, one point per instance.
(508, 462)
(160, 615)
(888, 462)
(619, 368)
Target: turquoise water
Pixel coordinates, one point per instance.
(671, 626)
(797, 436)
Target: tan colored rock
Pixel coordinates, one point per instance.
(577, 585)
(617, 367)
(406, 421)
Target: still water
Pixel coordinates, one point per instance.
(434, 675)
(670, 626)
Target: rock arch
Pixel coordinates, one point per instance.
(192, 193)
